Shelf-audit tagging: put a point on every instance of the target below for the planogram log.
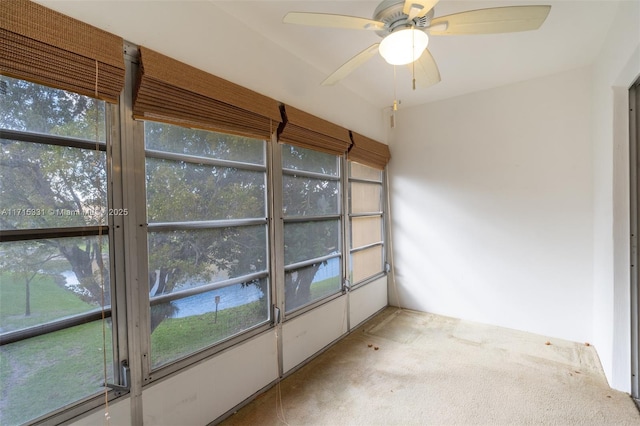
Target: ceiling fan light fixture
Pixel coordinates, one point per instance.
(403, 46)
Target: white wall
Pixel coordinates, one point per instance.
(366, 300)
(309, 333)
(198, 395)
(617, 67)
(492, 206)
(118, 413)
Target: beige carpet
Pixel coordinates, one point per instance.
(433, 370)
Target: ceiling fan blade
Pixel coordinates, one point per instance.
(332, 21)
(351, 65)
(418, 8)
(425, 70)
(491, 21)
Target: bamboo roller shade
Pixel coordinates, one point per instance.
(46, 47)
(369, 152)
(173, 92)
(308, 131)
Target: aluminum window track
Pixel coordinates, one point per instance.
(204, 224)
(313, 175)
(310, 262)
(195, 159)
(41, 138)
(368, 246)
(314, 218)
(165, 298)
(47, 233)
(53, 326)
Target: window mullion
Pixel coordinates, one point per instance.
(345, 227)
(134, 245)
(278, 232)
(116, 236)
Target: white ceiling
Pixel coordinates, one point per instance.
(570, 38)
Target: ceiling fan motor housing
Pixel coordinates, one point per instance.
(390, 12)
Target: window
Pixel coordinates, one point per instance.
(207, 238)
(367, 226)
(312, 225)
(55, 269)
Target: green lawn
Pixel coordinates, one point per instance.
(42, 374)
(325, 287)
(49, 301)
(178, 337)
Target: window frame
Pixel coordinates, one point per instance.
(112, 231)
(150, 373)
(383, 228)
(283, 268)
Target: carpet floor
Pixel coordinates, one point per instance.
(411, 368)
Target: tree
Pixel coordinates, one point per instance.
(308, 240)
(24, 260)
(189, 192)
(71, 183)
(48, 186)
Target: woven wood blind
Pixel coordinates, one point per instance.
(308, 131)
(47, 47)
(368, 152)
(172, 92)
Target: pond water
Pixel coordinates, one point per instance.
(72, 283)
(231, 296)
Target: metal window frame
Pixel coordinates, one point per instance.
(283, 268)
(206, 161)
(45, 139)
(149, 372)
(111, 230)
(381, 214)
(311, 175)
(194, 291)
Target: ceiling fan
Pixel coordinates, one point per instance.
(405, 26)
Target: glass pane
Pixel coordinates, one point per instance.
(202, 143)
(308, 240)
(180, 260)
(47, 186)
(44, 373)
(45, 280)
(311, 283)
(30, 107)
(199, 321)
(295, 158)
(178, 191)
(360, 171)
(366, 197)
(366, 263)
(365, 230)
(308, 197)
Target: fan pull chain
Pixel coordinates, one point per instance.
(413, 53)
(395, 90)
(394, 108)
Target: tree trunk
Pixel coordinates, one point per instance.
(27, 309)
(81, 264)
(298, 289)
(162, 311)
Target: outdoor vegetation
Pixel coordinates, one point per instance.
(53, 186)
